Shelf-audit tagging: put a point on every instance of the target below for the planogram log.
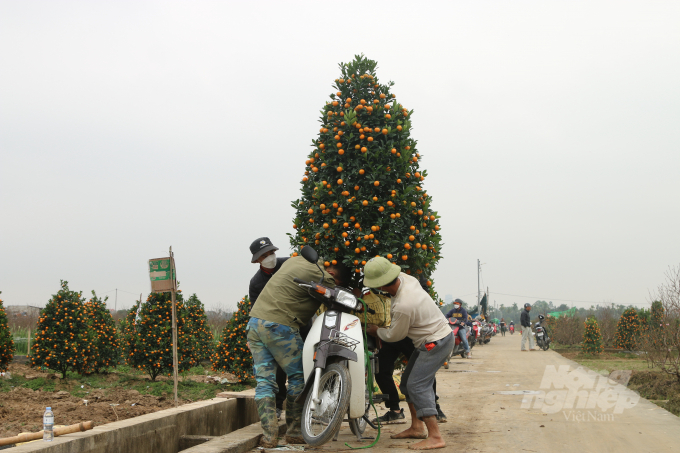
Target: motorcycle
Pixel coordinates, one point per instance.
(474, 334)
(512, 329)
(487, 332)
(542, 338)
(334, 365)
(458, 347)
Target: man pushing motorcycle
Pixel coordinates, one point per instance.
(416, 316)
(274, 340)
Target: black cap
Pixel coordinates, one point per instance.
(259, 247)
(527, 305)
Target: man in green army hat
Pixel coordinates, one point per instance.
(414, 315)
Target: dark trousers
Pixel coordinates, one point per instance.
(389, 352)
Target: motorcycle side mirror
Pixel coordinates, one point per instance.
(310, 254)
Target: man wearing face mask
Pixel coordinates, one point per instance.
(460, 316)
(264, 254)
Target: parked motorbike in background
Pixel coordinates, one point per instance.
(542, 338)
(474, 334)
(487, 332)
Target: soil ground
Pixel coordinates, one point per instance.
(481, 419)
(102, 398)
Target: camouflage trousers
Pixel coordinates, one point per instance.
(272, 344)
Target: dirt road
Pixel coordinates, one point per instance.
(571, 410)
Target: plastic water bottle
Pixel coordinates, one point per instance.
(48, 425)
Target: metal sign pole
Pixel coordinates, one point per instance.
(174, 323)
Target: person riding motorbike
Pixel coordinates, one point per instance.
(460, 316)
(274, 340)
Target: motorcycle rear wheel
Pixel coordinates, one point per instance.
(545, 346)
(320, 426)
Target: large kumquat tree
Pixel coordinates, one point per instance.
(6, 340)
(232, 353)
(64, 340)
(106, 346)
(147, 336)
(362, 190)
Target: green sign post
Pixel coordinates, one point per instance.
(164, 279)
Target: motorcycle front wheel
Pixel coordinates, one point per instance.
(319, 426)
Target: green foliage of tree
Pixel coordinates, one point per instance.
(106, 345)
(197, 323)
(147, 336)
(362, 193)
(64, 340)
(232, 353)
(592, 340)
(656, 315)
(6, 341)
(627, 330)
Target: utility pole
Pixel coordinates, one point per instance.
(115, 304)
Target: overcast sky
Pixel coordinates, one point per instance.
(550, 132)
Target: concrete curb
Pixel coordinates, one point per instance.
(239, 441)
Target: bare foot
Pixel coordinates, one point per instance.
(428, 444)
(410, 434)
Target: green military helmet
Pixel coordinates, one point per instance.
(380, 272)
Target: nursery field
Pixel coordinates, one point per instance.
(103, 398)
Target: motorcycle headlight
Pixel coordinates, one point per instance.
(347, 299)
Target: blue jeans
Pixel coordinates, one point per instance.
(275, 344)
(462, 334)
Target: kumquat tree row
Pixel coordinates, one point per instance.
(362, 189)
(6, 341)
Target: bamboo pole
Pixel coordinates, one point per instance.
(174, 323)
(26, 437)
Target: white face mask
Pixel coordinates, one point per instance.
(456, 306)
(269, 262)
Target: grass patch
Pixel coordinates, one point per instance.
(124, 377)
